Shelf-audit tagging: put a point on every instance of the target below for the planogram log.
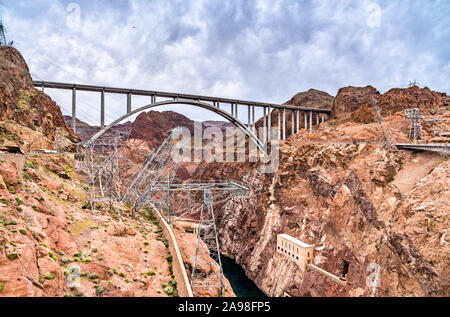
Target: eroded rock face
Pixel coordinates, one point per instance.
(342, 199)
(398, 99)
(22, 103)
(349, 99)
(44, 230)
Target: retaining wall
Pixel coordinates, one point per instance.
(183, 284)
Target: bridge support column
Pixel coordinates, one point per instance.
(323, 117)
(317, 116)
(306, 120)
(129, 102)
(74, 110)
(253, 119)
(310, 122)
(269, 126)
(298, 121)
(293, 122)
(102, 109)
(236, 114)
(249, 117)
(153, 99)
(279, 124)
(264, 125)
(284, 123)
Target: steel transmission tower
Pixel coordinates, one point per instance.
(3, 37)
(415, 130)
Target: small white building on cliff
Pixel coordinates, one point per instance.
(299, 251)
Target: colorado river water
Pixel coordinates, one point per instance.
(241, 284)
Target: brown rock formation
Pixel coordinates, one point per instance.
(22, 103)
(356, 203)
(349, 99)
(398, 99)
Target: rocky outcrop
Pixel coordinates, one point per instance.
(44, 231)
(349, 99)
(396, 100)
(312, 98)
(22, 103)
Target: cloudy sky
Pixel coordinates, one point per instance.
(262, 50)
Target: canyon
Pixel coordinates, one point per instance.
(344, 188)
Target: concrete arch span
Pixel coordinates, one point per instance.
(236, 122)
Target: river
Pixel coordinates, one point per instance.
(241, 284)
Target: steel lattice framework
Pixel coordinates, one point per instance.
(102, 164)
(154, 185)
(415, 130)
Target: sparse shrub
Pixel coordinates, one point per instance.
(2, 287)
(18, 208)
(22, 231)
(121, 274)
(150, 273)
(78, 294)
(50, 276)
(19, 201)
(43, 245)
(52, 255)
(13, 256)
(100, 290)
(93, 276)
(168, 290)
(35, 207)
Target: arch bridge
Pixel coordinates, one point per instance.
(214, 104)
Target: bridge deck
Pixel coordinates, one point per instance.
(151, 93)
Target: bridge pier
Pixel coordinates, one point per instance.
(129, 102)
(284, 123)
(310, 122)
(74, 110)
(264, 125)
(102, 109)
(279, 124)
(306, 120)
(298, 121)
(253, 119)
(293, 122)
(269, 126)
